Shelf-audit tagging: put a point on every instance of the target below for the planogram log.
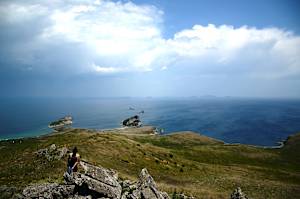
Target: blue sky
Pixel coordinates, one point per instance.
(267, 13)
(102, 48)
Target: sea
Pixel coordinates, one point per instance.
(261, 122)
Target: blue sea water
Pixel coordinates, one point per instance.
(234, 120)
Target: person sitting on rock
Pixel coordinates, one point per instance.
(73, 160)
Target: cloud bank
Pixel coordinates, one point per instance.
(110, 45)
(115, 37)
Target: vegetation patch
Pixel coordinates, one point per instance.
(186, 162)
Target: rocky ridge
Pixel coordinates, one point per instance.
(96, 182)
(102, 183)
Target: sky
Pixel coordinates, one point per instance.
(158, 48)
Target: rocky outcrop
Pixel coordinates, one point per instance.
(238, 194)
(97, 182)
(102, 183)
(52, 152)
(133, 121)
(145, 188)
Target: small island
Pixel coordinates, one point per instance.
(61, 123)
(133, 121)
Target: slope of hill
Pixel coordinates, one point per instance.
(183, 162)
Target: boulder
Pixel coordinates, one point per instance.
(145, 188)
(101, 174)
(98, 180)
(238, 194)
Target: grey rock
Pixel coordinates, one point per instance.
(101, 174)
(238, 194)
(146, 188)
(96, 182)
(126, 183)
(124, 195)
(97, 179)
(62, 152)
(48, 191)
(52, 148)
(100, 187)
(145, 180)
(52, 152)
(128, 186)
(166, 196)
(148, 193)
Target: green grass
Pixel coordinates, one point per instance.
(185, 162)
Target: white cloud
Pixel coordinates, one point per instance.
(106, 70)
(128, 37)
(269, 52)
(122, 30)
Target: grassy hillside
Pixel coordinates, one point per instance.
(185, 162)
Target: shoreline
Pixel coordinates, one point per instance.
(280, 145)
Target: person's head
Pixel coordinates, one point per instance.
(75, 151)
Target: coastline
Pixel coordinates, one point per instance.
(183, 156)
(280, 145)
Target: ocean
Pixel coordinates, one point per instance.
(262, 122)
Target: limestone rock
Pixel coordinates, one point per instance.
(101, 174)
(48, 191)
(238, 194)
(96, 182)
(145, 180)
(97, 179)
(128, 186)
(145, 188)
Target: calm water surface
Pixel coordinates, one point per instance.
(248, 121)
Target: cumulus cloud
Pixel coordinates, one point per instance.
(113, 37)
(75, 34)
(269, 52)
